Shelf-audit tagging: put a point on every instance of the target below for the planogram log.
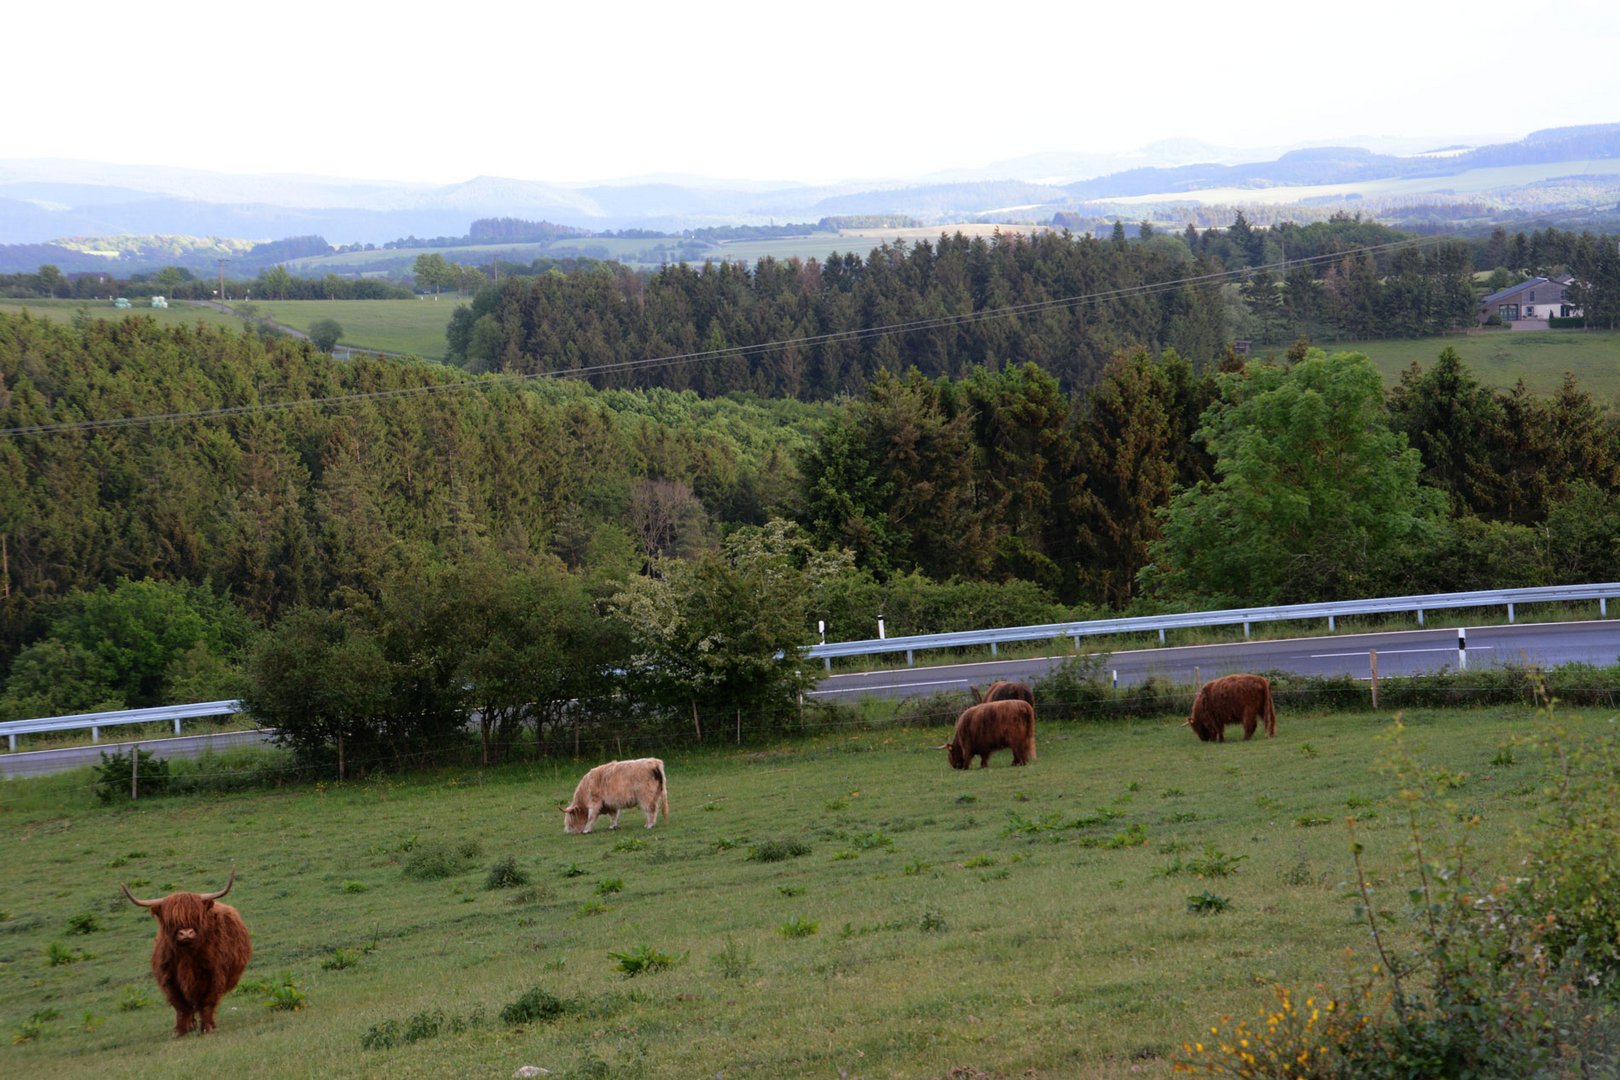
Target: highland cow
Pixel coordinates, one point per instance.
(201, 951)
(1233, 699)
(614, 786)
(1002, 690)
(983, 729)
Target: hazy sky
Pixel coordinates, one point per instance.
(759, 90)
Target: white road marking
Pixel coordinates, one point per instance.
(1395, 652)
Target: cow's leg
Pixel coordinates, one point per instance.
(590, 818)
(650, 812)
(615, 823)
(182, 1021)
(207, 1019)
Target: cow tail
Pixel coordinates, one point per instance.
(663, 791)
(1271, 713)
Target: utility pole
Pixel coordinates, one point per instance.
(222, 281)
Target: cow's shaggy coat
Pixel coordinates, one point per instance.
(983, 729)
(614, 786)
(1233, 699)
(201, 951)
(1002, 690)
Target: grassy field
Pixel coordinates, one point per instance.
(1501, 358)
(178, 311)
(1018, 922)
(398, 326)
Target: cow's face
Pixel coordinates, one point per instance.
(574, 817)
(182, 916)
(954, 754)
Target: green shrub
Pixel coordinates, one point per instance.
(798, 927)
(533, 1006)
(506, 874)
(609, 886)
(1477, 979)
(113, 775)
(1572, 877)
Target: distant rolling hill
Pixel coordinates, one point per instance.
(1558, 169)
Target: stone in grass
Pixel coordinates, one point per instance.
(530, 1070)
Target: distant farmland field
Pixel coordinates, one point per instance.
(841, 903)
(402, 326)
(1501, 358)
(178, 311)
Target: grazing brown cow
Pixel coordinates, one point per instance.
(614, 786)
(1233, 699)
(1002, 690)
(201, 950)
(983, 729)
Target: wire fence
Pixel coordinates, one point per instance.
(1073, 698)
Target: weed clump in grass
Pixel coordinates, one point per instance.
(798, 927)
(591, 907)
(1207, 903)
(134, 999)
(534, 1005)
(437, 861)
(506, 874)
(356, 887)
(609, 886)
(84, 923)
(341, 959)
(58, 954)
(645, 960)
(33, 1027)
(733, 961)
(777, 851)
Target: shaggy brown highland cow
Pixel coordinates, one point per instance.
(1233, 699)
(201, 950)
(983, 729)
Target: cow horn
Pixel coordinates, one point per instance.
(133, 900)
(943, 746)
(228, 883)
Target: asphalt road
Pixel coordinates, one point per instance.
(39, 762)
(1410, 652)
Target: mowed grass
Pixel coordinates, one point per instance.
(1021, 922)
(1502, 358)
(397, 326)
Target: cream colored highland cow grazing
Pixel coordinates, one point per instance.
(613, 787)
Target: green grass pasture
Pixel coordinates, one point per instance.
(1502, 357)
(400, 326)
(1003, 922)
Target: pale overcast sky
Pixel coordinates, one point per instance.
(756, 90)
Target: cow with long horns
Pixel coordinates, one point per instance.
(201, 950)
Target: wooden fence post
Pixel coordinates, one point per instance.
(1372, 660)
(134, 772)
